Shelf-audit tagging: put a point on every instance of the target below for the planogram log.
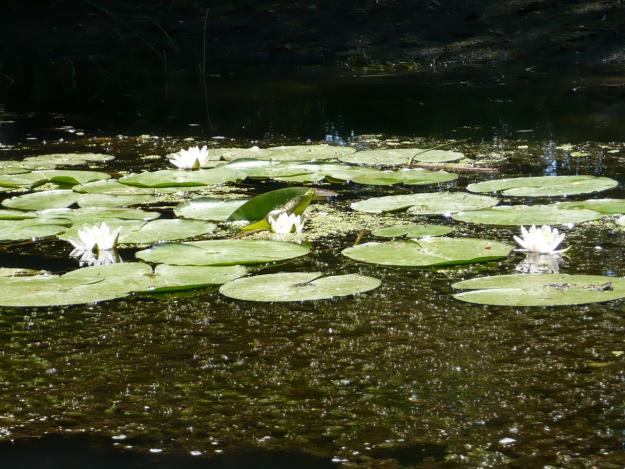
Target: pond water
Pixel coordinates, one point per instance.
(404, 375)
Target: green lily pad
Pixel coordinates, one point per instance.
(265, 169)
(545, 186)
(16, 215)
(256, 210)
(413, 177)
(604, 206)
(88, 285)
(208, 208)
(140, 232)
(168, 278)
(65, 198)
(114, 187)
(31, 229)
(430, 203)
(429, 252)
(157, 231)
(401, 156)
(93, 215)
(297, 286)
(182, 178)
(540, 289)
(72, 177)
(550, 214)
(64, 159)
(286, 153)
(17, 272)
(412, 231)
(22, 180)
(223, 252)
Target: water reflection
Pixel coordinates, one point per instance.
(535, 263)
(89, 258)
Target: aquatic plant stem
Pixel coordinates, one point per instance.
(442, 145)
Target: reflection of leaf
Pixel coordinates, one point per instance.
(256, 210)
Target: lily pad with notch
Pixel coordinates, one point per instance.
(545, 186)
(430, 203)
(429, 252)
(510, 215)
(208, 208)
(222, 252)
(540, 289)
(412, 231)
(401, 156)
(297, 286)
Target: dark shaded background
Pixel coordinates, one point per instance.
(269, 67)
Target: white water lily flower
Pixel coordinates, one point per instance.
(97, 236)
(191, 158)
(542, 240)
(286, 223)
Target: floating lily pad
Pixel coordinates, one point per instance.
(401, 156)
(166, 230)
(93, 215)
(413, 177)
(265, 169)
(72, 177)
(168, 278)
(286, 153)
(545, 186)
(88, 285)
(65, 198)
(182, 178)
(551, 214)
(114, 187)
(431, 203)
(540, 289)
(223, 252)
(16, 215)
(21, 230)
(429, 252)
(297, 286)
(412, 231)
(604, 206)
(208, 208)
(17, 272)
(64, 159)
(22, 180)
(140, 232)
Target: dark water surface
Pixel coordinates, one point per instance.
(402, 376)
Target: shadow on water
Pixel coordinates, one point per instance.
(78, 452)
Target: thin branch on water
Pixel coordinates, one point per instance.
(442, 145)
